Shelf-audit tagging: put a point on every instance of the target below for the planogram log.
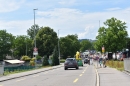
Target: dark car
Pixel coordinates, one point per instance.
(71, 63)
(86, 61)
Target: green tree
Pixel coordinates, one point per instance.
(45, 61)
(69, 45)
(6, 41)
(21, 44)
(46, 40)
(55, 59)
(30, 31)
(113, 36)
(85, 45)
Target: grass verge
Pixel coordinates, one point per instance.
(119, 65)
(19, 71)
(62, 60)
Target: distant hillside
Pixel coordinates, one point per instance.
(80, 40)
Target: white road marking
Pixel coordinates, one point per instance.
(45, 72)
(20, 80)
(35, 75)
(80, 74)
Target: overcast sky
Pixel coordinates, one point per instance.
(79, 17)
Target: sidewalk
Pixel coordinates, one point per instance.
(112, 77)
(22, 74)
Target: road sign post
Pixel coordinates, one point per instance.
(103, 49)
(35, 53)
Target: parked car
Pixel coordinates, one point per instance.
(80, 63)
(71, 63)
(87, 61)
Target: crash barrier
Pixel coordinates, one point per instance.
(127, 64)
(19, 68)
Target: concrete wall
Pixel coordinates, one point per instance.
(1, 68)
(127, 64)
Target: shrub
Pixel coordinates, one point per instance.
(32, 61)
(45, 61)
(55, 59)
(38, 57)
(25, 58)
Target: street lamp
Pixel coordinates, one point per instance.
(58, 46)
(34, 28)
(35, 37)
(26, 46)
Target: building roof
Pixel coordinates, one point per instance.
(14, 61)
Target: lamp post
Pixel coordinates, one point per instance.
(34, 28)
(26, 47)
(35, 38)
(58, 46)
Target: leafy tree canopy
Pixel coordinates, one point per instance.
(113, 36)
(30, 31)
(85, 45)
(69, 45)
(21, 44)
(46, 39)
(6, 41)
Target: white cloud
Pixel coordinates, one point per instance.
(10, 5)
(67, 2)
(114, 9)
(16, 27)
(74, 21)
(69, 21)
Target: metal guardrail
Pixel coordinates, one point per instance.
(127, 64)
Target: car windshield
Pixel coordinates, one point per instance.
(69, 60)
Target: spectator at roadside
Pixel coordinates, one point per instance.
(100, 61)
(104, 61)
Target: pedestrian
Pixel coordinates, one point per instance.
(104, 61)
(100, 61)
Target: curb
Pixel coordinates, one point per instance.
(29, 74)
(126, 72)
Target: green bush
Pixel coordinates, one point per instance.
(62, 60)
(38, 57)
(45, 61)
(55, 59)
(25, 58)
(32, 61)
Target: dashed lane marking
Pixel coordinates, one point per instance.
(75, 80)
(20, 80)
(46, 73)
(80, 74)
(35, 75)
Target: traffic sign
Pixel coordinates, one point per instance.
(103, 49)
(35, 52)
(35, 49)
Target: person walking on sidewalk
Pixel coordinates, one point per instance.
(100, 61)
(104, 61)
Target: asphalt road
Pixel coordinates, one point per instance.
(84, 76)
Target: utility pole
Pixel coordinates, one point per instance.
(34, 28)
(58, 46)
(35, 48)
